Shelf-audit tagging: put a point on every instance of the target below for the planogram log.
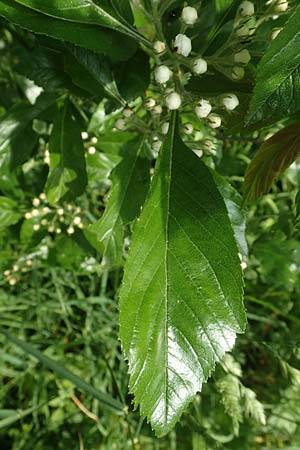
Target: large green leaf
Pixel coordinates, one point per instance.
(130, 180)
(89, 12)
(272, 159)
(67, 176)
(181, 298)
(277, 89)
(92, 37)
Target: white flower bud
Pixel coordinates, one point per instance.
(242, 57)
(156, 146)
(29, 262)
(6, 273)
(58, 230)
(281, 6)
(173, 101)
(150, 103)
(84, 135)
(35, 212)
(36, 202)
(92, 150)
(183, 45)
(159, 47)
(243, 31)
(36, 226)
(77, 220)
(51, 229)
(230, 101)
(120, 124)
(94, 140)
(189, 15)
(12, 281)
(165, 128)
(247, 9)
(70, 230)
(214, 120)
(157, 109)
(162, 74)
(28, 215)
(188, 128)
(42, 196)
(199, 66)
(275, 33)
(203, 108)
(44, 222)
(46, 210)
(16, 267)
(127, 112)
(238, 73)
(60, 212)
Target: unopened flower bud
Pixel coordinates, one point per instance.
(165, 128)
(242, 57)
(120, 124)
(162, 74)
(214, 120)
(36, 202)
(156, 145)
(281, 6)
(247, 9)
(203, 108)
(94, 140)
(92, 150)
(189, 15)
(183, 45)
(84, 135)
(230, 101)
(188, 128)
(36, 226)
(127, 112)
(159, 47)
(77, 220)
(173, 101)
(243, 31)
(35, 212)
(150, 103)
(70, 230)
(157, 109)
(42, 196)
(60, 212)
(28, 215)
(238, 73)
(199, 66)
(275, 33)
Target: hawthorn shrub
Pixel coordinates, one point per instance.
(149, 224)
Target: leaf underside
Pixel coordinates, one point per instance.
(272, 159)
(181, 299)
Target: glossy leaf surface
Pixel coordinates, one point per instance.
(273, 158)
(278, 76)
(130, 180)
(92, 37)
(181, 298)
(67, 176)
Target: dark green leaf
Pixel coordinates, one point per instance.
(67, 176)
(130, 181)
(181, 298)
(272, 159)
(9, 213)
(277, 89)
(92, 37)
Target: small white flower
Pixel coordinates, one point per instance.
(36, 202)
(203, 108)
(44, 222)
(60, 212)
(199, 66)
(165, 128)
(214, 120)
(156, 145)
(51, 229)
(150, 103)
(247, 9)
(28, 215)
(42, 196)
(16, 267)
(183, 45)
(12, 281)
(159, 47)
(46, 210)
(173, 101)
(35, 212)
(242, 57)
(92, 150)
(36, 226)
(58, 230)
(94, 140)
(162, 74)
(188, 128)
(238, 73)
(244, 265)
(120, 124)
(189, 15)
(243, 31)
(230, 101)
(84, 135)
(281, 6)
(29, 262)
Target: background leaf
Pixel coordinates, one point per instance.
(181, 297)
(277, 87)
(271, 160)
(9, 213)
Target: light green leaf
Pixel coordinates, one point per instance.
(67, 177)
(277, 89)
(272, 159)
(92, 37)
(181, 298)
(130, 180)
(89, 12)
(9, 213)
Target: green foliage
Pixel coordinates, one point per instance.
(126, 142)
